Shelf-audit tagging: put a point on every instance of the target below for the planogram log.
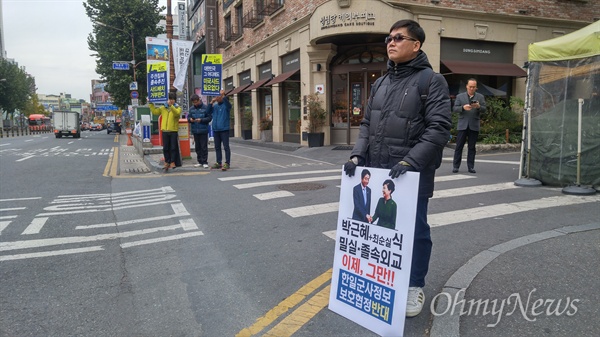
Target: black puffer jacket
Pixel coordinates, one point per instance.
(395, 127)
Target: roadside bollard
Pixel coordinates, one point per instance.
(129, 141)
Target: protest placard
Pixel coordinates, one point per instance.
(373, 251)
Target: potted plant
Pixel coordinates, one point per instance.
(247, 125)
(266, 129)
(317, 117)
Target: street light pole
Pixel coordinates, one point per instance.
(132, 44)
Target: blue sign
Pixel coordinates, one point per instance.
(120, 66)
(107, 107)
(146, 133)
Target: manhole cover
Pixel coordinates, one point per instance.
(301, 187)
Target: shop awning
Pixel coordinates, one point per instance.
(257, 84)
(238, 89)
(282, 77)
(485, 68)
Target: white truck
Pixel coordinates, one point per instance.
(66, 123)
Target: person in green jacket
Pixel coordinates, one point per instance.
(169, 125)
(386, 208)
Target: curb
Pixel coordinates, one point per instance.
(448, 325)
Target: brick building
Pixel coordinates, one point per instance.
(275, 52)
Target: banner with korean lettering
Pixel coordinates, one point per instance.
(157, 66)
(182, 50)
(373, 251)
(211, 74)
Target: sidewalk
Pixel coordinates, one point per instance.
(530, 286)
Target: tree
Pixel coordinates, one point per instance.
(33, 106)
(112, 41)
(16, 87)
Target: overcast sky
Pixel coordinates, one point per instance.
(49, 38)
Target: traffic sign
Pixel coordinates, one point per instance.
(133, 86)
(120, 66)
(135, 94)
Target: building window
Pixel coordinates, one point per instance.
(239, 17)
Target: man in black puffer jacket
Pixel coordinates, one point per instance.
(199, 116)
(403, 131)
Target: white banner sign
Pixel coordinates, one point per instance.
(373, 250)
(182, 50)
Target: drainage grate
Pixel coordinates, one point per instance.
(301, 187)
(343, 147)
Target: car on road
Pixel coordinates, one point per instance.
(95, 127)
(113, 127)
(85, 126)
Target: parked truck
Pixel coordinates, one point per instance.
(66, 123)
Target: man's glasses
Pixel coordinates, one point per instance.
(397, 38)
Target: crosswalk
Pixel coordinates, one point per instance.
(30, 231)
(549, 198)
(54, 151)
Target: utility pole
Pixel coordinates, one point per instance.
(169, 20)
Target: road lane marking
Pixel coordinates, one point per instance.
(264, 161)
(4, 224)
(24, 244)
(19, 199)
(452, 192)
(24, 158)
(285, 305)
(508, 162)
(293, 322)
(282, 174)
(52, 253)
(273, 195)
(8, 217)
(297, 212)
(188, 224)
(491, 211)
(285, 181)
(35, 226)
(161, 239)
(12, 209)
(301, 211)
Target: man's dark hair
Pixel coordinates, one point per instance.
(412, 27)
(194, 98)
(364, 173)
(390, 185)
(172, 95)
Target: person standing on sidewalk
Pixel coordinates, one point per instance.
(469, 105)
(220, 126)
(199, 116)
(405, 128)
(170, 113)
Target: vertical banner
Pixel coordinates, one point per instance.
(157, 67)
(211, 74)
(373, 250)
(182, 20)
(182, 50)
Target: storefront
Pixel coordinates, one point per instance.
(339, 50)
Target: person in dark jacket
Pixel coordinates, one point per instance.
(469, 105)
(199, 116)
(220, 126)
(361, 194)
(403, 132)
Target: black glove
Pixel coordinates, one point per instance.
(350, 168)
(400, 168)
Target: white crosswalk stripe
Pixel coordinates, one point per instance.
(435, 219)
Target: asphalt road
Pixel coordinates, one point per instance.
(244, 252)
